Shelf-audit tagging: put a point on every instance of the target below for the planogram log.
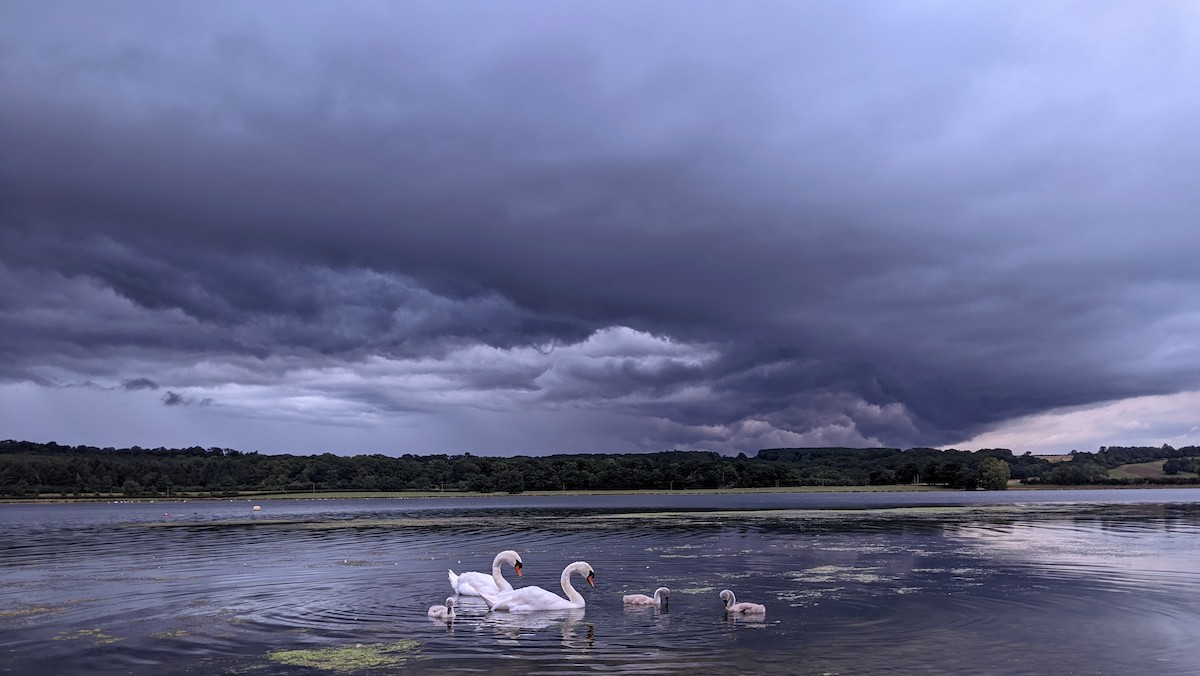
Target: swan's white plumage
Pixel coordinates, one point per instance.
(732, 606)
(445, 612)
(659, 599)
(471, 583)
(532, 599)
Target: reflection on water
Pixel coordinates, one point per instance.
(1088, 587)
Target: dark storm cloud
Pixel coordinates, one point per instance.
(139, 384)
(902, 224)
(170, 398)
(206, 302)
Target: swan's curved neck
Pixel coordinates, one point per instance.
(731, 600)
(565, 580)
(496, 574)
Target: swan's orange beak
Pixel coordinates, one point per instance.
(517, 567)
(591, 578)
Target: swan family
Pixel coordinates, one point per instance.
(501, 596)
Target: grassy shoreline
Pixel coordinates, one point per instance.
(420, 495)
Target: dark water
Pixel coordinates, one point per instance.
(1063, 582)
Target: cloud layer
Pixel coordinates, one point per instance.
(562, 226)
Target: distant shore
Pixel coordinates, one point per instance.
(418, 495)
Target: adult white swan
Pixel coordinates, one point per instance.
(530, 599)
(732, 607)
(660, 598)
(474, 584)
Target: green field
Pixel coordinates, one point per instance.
(1144, 470)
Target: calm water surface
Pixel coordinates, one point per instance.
(1063, 582)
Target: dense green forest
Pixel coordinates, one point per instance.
(29, 469)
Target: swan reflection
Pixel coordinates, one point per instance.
(541, 620)
(569, 622)
(471, 606)
(648, 615)
(745, 620)
(447, 624)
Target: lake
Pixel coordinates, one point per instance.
(1016, 582)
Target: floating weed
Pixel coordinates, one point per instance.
(354, 564)
(839, 574)
(864, 549)
(867, 578)
(28, 611)
(208, 525)
(349, 658)
(801, 517)
(97, 636)
(396, 522)
(178, 633)
(806, 594)
(695, 590)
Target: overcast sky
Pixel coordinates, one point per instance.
(535, 227)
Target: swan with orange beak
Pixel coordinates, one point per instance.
(531, 599)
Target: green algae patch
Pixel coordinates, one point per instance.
(163, 635)
(348, 658)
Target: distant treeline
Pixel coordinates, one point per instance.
(29, 469)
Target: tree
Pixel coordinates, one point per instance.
(510, 481)
(993, 474)
(480, 484)
(1076, 472)
(1177, 465)
(882, 477)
